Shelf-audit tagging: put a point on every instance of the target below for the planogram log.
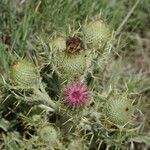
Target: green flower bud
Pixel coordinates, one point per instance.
(23, 73)
(58, 44)
(71, 61)
(96, 34)
(48, 134)
(70, 65)
(118, 111)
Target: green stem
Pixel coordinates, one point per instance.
(126, 18)
(45, 97)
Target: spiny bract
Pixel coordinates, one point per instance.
(96, 34)
(23, 73)
(118, 111)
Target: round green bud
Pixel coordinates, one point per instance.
(96, 34)
(23, 73)
(58, 44)
(48, 134)
(70, 65)
(119, 111)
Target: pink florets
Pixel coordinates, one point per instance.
(76, 94)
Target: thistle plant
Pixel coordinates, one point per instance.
(24, 75)
(77, 92)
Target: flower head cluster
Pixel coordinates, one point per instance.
(76, 94)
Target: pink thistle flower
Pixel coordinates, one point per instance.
(76, 94)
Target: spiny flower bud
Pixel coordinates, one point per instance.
(96, 33)
(76, 94)
(58, 44)
(70, 65)
(23, 73)
(48, 134)
(71, 61)
(119, 111)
